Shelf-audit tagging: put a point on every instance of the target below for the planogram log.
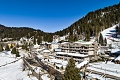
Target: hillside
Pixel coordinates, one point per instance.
(93, 23)
(18, 32)
(90, 25)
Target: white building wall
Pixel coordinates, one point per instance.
(91, 53)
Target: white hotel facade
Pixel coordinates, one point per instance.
(78, 50)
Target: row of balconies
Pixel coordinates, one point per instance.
(67, 58)
(83, 46)
(79, 48)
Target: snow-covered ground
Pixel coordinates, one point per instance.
(23, 53)
(109, 34)
(6, 54)
(13, 71)
(100, 77)
(4, 61)
(109, 68)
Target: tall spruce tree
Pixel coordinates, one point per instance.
(1, 48)
(17, 53)
(39, 40)
(11, 46)
(7, 48)
(17, 45)
(71, 72)
(101, 39)
(34, 41)
(105, 42)
(13, 50)
(117, 29)
(88, 36)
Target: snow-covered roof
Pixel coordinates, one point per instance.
(53, 42)
(91, 76)
(49, 43)
(64, 42)
(57, 50)
(82, 42)
(118, 58)
(87, 42)
(82, 64)
(64, 63)
(116, 50)
(62, 38)
(36, 46)
(40, 49)
(46, 51)
(72, 54)
(59, 65)
(109, 68)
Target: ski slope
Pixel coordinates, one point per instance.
(107, 33)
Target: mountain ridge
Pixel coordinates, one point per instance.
(89, 25)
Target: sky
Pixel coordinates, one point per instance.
(47, 15)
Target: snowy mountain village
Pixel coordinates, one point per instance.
(48, 61)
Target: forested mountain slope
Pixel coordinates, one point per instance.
(18, 32)
(90, 25)
(93, 23)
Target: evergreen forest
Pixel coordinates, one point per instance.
(90, 25)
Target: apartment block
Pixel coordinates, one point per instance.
(84, 48)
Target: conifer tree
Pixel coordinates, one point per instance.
(75, 37)
(13, 50)
(17, 53)
(117, 29)
(39, 40)
(7, 48)
(34, 41)
(101, 39)
(1, 48)
(17, 45)
(11, 46)
(88, 36)
(105, 42)
(71, 72)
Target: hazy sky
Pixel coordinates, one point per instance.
(47, 15)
